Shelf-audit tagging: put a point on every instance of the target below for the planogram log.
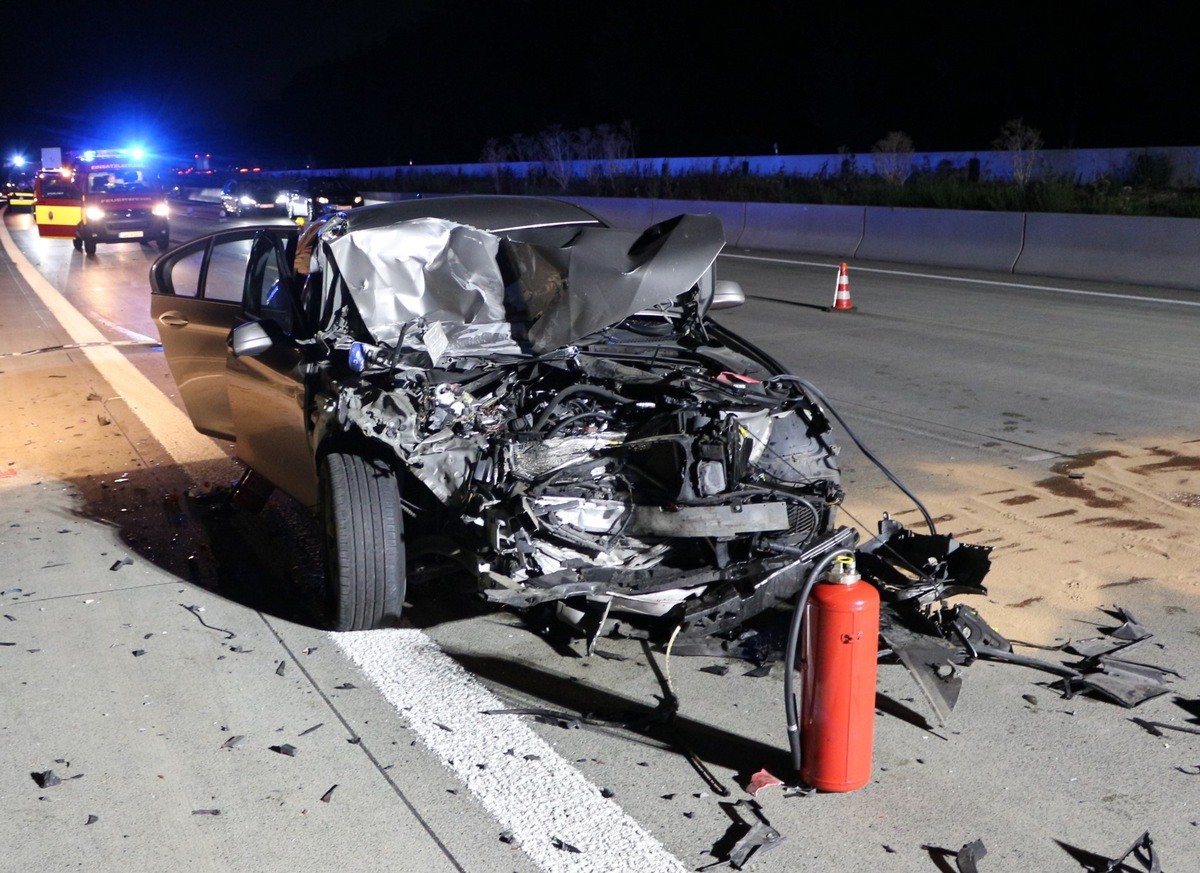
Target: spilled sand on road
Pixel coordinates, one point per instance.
(1115, 526)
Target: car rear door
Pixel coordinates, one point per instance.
(197, 293)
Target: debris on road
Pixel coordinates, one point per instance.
(46, 779)
(564, 846)
(196, 610)
(753, 833)
(234, 742)
(308, 731)
(285, 749)
(760, 780)
(124, 562)
(328, 795)
(1141, 851)
(91, 819)
(279, 668)
(206, 812)
(969, 856)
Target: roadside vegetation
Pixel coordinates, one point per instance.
(591, 162)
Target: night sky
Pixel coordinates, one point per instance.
(430, 81)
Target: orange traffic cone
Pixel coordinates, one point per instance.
(841, 297)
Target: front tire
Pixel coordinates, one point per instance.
(164, 242)
(89, 246)
(364, 542)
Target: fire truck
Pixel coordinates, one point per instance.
(105, 196)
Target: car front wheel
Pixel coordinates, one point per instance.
(364, 542)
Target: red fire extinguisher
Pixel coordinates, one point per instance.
(838, 656)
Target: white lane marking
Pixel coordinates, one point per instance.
(993, 282)
(539, 799)
(169, 425)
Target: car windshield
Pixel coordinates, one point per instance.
(119, 181)
(261, 193)
(332, 187)
(55, 187)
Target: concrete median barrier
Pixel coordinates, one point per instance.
(803, 228)
(1113, 248)
(943, 237)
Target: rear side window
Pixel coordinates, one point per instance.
(185, 275)
(226, 276)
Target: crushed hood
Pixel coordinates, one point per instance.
(528, 286)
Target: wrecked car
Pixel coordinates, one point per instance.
(510, 384)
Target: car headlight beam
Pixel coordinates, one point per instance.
(94, 213)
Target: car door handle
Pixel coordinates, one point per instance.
(174, 319)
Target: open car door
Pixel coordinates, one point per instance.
(197, 297)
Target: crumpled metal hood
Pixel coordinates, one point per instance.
(527, 285)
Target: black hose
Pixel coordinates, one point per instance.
(821, 398)
(791, 711)
(575, 389)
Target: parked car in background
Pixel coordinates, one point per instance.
(18, 191)
(318, 195)
(252, 197)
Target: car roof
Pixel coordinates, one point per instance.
(493, 213)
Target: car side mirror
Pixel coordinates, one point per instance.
(727, 294)
(251, 339)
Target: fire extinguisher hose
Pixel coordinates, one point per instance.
(791, 710)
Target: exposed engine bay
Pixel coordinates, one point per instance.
(621, 452)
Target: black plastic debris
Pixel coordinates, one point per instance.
(124, 562)
(206, 812)
(715, 669)
(753, 833)
(1125, 682)
(345, 686)
(7, 644)
(46, 779)
(1155, 728)
(610, 656)
(443, 727)
(239, 650)
(328, 795)
(510, 838)
(91, 819)
(196, 610)
(1141, 851)
(137, 653)
(564, 846)
(308, 731)
(280, 667)
(607, 792)
(969, 856)
(234, 742)
(285, 749)
(10, 617)
(758, 672)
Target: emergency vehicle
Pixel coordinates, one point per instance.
(105, 196)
